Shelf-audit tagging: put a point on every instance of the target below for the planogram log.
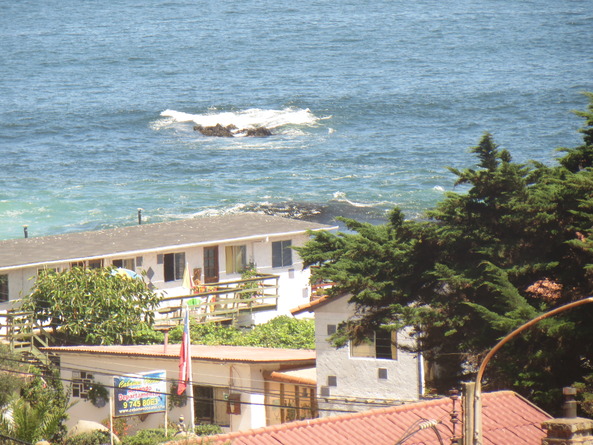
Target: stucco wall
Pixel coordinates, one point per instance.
(235, 378)
(358, 378)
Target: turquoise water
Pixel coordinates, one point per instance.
(368, 102)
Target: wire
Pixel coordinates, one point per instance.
(419, 425)
(338, 398)
(189, 397)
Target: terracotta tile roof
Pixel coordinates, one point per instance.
(290, 357)
(148, 237)
(306, 376)
(508, 419)
(312, 305)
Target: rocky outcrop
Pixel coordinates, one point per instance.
(217, 130)
(258, 132)
(230, 131)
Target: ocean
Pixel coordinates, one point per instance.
(368, 104)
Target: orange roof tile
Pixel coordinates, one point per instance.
(507, 419)
(308, 307)
(199, 352)
(306, 376)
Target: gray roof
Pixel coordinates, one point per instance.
(148, 238)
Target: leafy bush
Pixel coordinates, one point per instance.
(96, 437)
(157, 435)
(148, 437)
(280, 332)
(207, 430)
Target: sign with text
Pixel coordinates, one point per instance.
(140, 394)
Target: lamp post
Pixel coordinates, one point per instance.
(477, 424)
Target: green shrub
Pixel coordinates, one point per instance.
(148, 437)
(280, 332)
(96, 437)
(207, 430)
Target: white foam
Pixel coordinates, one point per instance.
(341, 197)
(250, 118)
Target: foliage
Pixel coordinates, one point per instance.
(92, 306)
(207, 430)
(153, 436)
(518, 243)
(176, 400)
(38, 410)
(96, 437)
(250, 271)
(98, 395)
(280, 332)
(12, 378)
(157, 436)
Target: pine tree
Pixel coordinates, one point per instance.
(518, 242)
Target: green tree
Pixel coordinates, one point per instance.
(92, 306)
(515, 244)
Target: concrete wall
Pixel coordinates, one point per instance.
(358, 385)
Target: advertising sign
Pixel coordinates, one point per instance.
(140, 394)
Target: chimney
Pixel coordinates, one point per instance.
(570, 429)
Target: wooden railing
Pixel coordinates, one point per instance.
(20, 331)
(222, 301)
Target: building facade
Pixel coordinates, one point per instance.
(214, 249)
(364, 375)
(233, 387)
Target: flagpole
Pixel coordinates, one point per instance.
(190, 388)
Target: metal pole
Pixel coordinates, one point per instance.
(477, 440)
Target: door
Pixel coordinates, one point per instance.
(211, 264)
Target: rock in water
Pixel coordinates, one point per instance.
(258, 132)
(227, 132)
(217, 130)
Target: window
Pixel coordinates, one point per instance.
(81, 383)
(331, 329)
(3, 288)
(281, 253)
(127, 263)
(383, 345)
(95, 264)
(173, 265)
(210, 405)
(91, 264)
(286, 403)
(236, 258)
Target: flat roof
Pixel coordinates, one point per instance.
(139, 239)
(243, 354)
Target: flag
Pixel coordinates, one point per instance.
(184, 357)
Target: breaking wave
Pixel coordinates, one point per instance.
(250, 118)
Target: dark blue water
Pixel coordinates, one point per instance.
(368, 102)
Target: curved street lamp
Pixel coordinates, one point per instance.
(477, 427)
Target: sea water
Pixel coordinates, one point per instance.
(368, 103)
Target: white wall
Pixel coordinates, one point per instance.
(359, 377)
(294, 287)
(238, 378)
